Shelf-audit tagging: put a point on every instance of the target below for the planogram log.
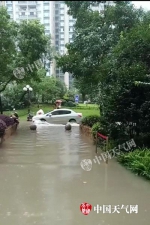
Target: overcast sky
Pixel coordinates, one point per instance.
(144, 4)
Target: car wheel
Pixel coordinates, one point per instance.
(72, 121)
(43, 120)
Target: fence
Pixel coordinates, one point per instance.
(102, 143)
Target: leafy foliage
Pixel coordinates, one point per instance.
(76, 7)
(45, 91)
(90, 120)
(137, 161)
(91, 58)
(21, 44)
(96, 128)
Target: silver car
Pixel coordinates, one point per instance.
(60, 116)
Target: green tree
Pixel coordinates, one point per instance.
(128, 63)
(48, 89)
(95, 36)
(21, 45)
(77, 7)
(8, 33)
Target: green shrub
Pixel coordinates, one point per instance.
(95, 128)
(90, 120)
(143, 140)
(137, 161)
(63, 103)
(70, 104)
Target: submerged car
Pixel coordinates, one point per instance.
(60, 116)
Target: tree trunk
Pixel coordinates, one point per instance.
(83, 97)
(42, 98)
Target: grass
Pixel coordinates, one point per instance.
(137, 161)
(86, 110)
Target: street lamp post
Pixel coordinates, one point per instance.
(1, 106)
(28, 89)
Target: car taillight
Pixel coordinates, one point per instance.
(80, 114)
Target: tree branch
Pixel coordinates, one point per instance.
(6, 84)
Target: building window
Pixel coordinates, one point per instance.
(56, 24)
(57, 17)
(71, 21)
(57, 12)
(46, 3)
(56, 6)
(23, 8)
(32, 7)
(71, 29)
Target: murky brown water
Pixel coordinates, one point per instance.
(42, 183)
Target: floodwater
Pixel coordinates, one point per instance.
(42, 182)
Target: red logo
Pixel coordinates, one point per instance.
(85, 208)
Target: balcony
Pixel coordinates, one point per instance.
(25, 17)
(27, 3)
(32, 17)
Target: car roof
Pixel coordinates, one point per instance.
(63, 109)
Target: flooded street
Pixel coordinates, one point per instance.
(42, 182)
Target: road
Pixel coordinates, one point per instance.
(42, 182)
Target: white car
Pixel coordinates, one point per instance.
(60, 116)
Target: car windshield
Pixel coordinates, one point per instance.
(48, 113)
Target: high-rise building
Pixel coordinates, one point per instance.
(57, 22)
(2, 3)
(63, 35)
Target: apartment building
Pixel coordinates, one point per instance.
(58, 24)
(2, 3)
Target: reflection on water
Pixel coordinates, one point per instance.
(39, 123)
(43, 183)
